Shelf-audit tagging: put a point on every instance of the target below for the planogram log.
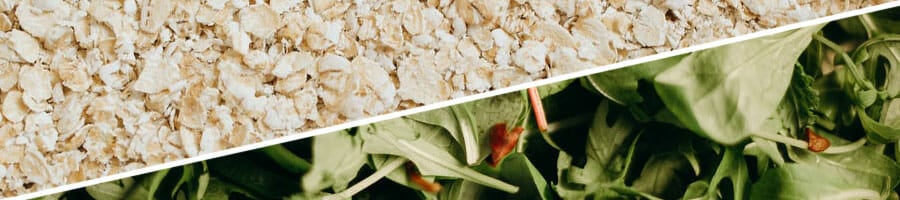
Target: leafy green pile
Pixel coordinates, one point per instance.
(805, 114)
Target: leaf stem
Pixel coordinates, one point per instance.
(783, 139)
(846, 148)
(469, 143)
(368, 181)
(537, 105)
(286, 159)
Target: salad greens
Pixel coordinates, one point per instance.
(806, 114)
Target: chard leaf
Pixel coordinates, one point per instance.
(727, 93)
(337, 158)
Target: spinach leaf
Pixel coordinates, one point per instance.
(818, 181)
(720, 93)
(469, 123)
(621, 85)
(428, 150)
(337, 158)
(553, 88)
(126, 188)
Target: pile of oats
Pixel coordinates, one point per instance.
(93, 88)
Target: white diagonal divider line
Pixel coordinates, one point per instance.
(433, 106)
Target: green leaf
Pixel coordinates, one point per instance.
(819, 181)
(663, 175)
(518, 170)
(621, 85)
(429, 151)
(248, 172)
(337, 158)
(155, 179)
(461, 189)
(733, 168)
(727, 93)
(219, 189)
(696, 190)
(469, 124)
(609, 150)
(553, 88)
(115, 190)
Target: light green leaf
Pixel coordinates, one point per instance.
(819, 181)
(518, 170)
(727, 93)
(337, 158)
(621, 85)
(553, 88)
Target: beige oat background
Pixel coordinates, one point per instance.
(94, 88)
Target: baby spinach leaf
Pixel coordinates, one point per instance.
(337, 158)
(428, 151)
(461, 189)
(553, 88)
(621, 85)
(726, 93)
(126, 188)
(818, 181)
(469, 123)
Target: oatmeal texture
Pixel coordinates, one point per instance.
(94, 88)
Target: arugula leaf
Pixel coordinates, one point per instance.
(331, 168)
(734, 168)
(719, 93)
(608, 157)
